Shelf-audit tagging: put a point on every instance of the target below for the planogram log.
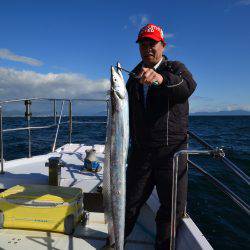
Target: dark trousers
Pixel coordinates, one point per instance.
(149, 168)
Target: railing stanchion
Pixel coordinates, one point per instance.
(174, 200)
(70, 121)
(54, 110)
(1, 140)
(28, 114)
(174, 188)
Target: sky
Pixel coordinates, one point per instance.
(65, 48)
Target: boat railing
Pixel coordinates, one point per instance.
(57, 120)
(216, 153)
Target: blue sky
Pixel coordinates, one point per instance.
(66, 48)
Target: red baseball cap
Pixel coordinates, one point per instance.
(151, 31)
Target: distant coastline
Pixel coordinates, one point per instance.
(222, 113)
(104, 113)
(218, 113)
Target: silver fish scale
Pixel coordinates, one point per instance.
(106, 178)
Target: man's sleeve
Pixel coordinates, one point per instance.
(178, 83)
(128, 84)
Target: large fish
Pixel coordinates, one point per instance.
(116, 149)
(106, 180)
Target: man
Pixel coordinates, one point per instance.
(158, 103)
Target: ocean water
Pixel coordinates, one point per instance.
(224, 224)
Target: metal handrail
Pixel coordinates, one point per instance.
(225, 160)
(26, 128)
(216, 153)
(70, 121)
(174, 188)
(211, 151)
(242, 204)
(32, 99)
(51, 99)
(1, 139)
(77, 122)
(33, 128)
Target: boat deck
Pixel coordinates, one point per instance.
(33, 170)
(93, 235)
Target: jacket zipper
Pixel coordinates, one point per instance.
(167, 121)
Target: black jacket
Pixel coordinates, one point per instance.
(164, 119)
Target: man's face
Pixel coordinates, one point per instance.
(151, 51)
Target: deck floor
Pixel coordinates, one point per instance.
(93, 236)
(33, 170)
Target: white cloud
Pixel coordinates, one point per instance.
(8, 55)
(23, 84)
(206, 104)
(238, 3)
(243, 2)
(139, 20)
(231, 107)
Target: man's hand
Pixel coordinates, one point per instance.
(149, 76)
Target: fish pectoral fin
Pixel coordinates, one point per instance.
(119, 94)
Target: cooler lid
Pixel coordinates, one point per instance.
(42, 193)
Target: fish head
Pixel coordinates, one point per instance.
(119, 71)
(118, 87)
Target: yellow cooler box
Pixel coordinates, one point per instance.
(41, 207)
